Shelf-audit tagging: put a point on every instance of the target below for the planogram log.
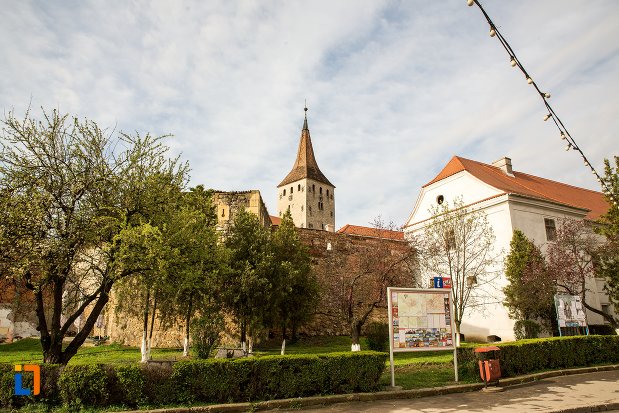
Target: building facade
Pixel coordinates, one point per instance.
(511, 200)
(306, 191)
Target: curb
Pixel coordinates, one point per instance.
(300, 402)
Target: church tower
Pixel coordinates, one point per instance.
(306, 191)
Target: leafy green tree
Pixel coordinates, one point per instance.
(247, 288)
(608, 264)
(76, 216)
(198, 259)
(295, 287)
(528, 296)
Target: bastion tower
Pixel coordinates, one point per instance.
(306, 190)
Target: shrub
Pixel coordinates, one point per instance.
(130, 382)
(526, 329)
(84, 385)
(206, 331)
(527, 356)
(6, 385)
(157, 383)
(378, 336)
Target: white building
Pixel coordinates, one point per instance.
(512, 200)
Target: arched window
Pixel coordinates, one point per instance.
(320, 190)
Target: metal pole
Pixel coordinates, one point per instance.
(390, 318)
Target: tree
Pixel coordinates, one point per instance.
(76, 210)
(458, 242)
(296, 288)
(608, 264)
(198, 259)
(572, 260)
(246, 290)
(528, 296)
(357, 272)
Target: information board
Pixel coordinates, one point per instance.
(420, 320)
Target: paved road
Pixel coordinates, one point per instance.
(568, 393)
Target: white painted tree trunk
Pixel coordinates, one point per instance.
(144, 349)
(185, 347)
(283, 347)
(251, 345)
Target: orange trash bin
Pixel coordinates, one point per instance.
(489, 365)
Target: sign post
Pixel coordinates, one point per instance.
(420, 320)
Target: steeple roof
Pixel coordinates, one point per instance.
(305, 166)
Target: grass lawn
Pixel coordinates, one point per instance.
(413, 370)
(29, 350)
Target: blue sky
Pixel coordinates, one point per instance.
(395, 89)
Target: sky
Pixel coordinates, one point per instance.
(394, 88)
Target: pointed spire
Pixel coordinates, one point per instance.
(305, 121)
(305, 166)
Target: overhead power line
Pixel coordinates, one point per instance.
(545, 96)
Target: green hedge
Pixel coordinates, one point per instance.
(214, 380)
(276, 377)
(527, 356)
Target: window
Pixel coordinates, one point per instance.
(223, 212)
(320, 190)
(440, 199)
(551, 229)
(327, 194)
(331, 214)
(284, 192)
(291, 188)
(321, 206)
(299, 188)
(313, 188)
(322, 226)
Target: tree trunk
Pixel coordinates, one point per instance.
(356, 334)
(457, 337)
(152, 325)
(144, 349)
(283, 350)
(187, 322)
(243, 335)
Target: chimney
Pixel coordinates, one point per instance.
(505, 165)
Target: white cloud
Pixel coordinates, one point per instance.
(394, 88)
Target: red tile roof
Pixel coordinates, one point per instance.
(371, 232)
(275, 220)
(528, 185)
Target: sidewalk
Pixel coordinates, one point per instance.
(586, 392)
